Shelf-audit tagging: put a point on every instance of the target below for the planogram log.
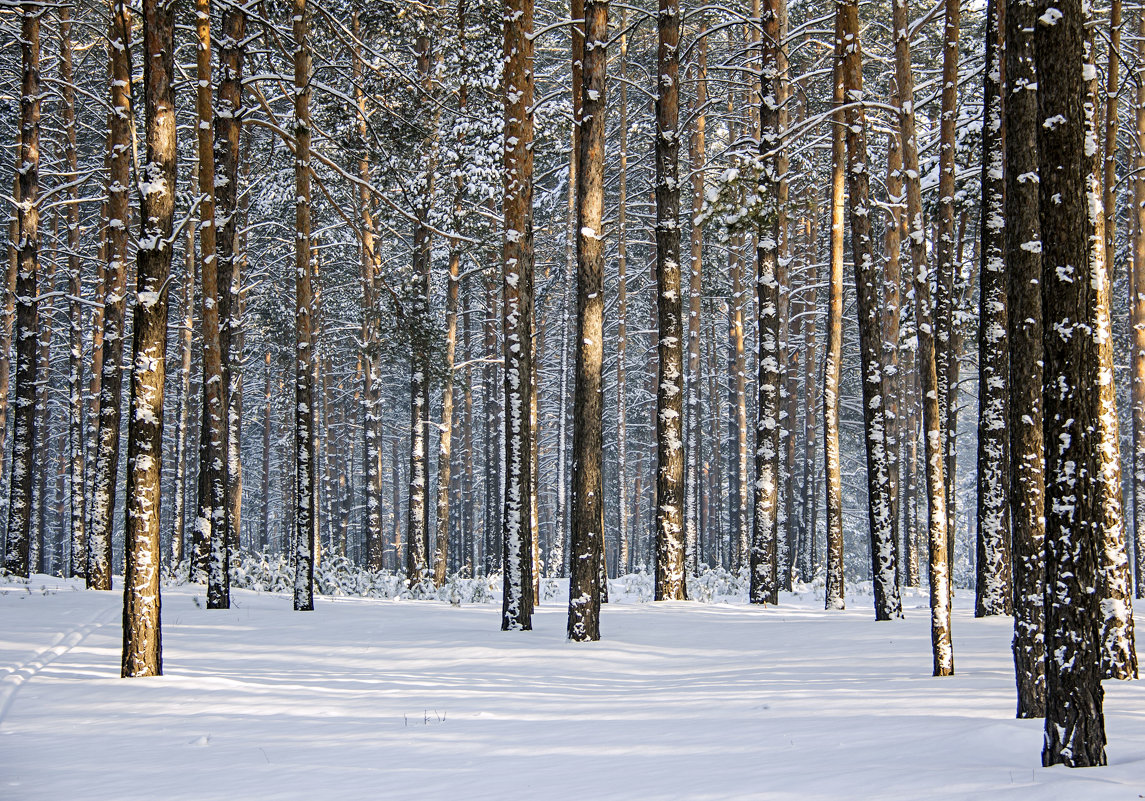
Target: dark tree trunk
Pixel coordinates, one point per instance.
(993, 596)
(1024, 276)
(120, 143)
(881, 505)
(517, 261)
(24, 435)
(1075, 726)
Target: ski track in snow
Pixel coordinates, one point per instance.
(417, 699)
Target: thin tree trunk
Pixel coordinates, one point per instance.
(77, 566)
(695, 534)
(305, 523)
(939, 573)
(227, 136)
(1137, 306)
(881, 506)
(588, 506)
(186, 329)
(517, 261)
(622, 311)
(944, 300)
(993, 594)
(670, 583)
(1075, 727)
(142, 639)
(24, 437)
(417, 527)
(214, 465)
(120, 140)
(1118, 655)
(832, 369)
(764, 587)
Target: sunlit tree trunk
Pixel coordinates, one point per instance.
(142, 640)
(588, 503)
(669, 304)
(1137, 307)
(1118, 655)
(939, 574)
(832, 369)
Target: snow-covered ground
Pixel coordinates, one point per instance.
(377, 699)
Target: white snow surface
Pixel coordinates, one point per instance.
(369, 698)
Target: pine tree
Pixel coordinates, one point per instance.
(1075, 726)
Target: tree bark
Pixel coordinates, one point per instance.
(77, 566)
(517, 261)
(944, 299)
(764, 587)
(588, 507)
(142, 637)
(832, 369)
(1118, 655)
(1137, 307)
(881, 506)
(120, 145)
(24, 435)
(1075, 727)
(670, 581)
(305, 522)
(212, 519)
(993, 594)
(939, 575)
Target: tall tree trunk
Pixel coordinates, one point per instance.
(264, 535)
(24, 435)
(305, 522)
(1137, 306)
(227, 135)
(695, 534)
(669, 307)
(77, 566)
(764, 546)
(832, 368)
(622, 311)
(881, 506)
(1024, 277)
(1118, 655)
(186, 328)
(371, 346)
(1075, 727)
(993, 595)
(588, 507)
(944, 300)
(939, 574)
(120, 145)
(417, 528)
(517, 261)
(214, 465)
(142, 640)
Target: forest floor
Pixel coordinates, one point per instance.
(422, 700)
